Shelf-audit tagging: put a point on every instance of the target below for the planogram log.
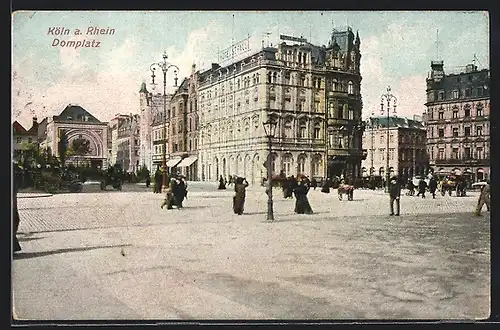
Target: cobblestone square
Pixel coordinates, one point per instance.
(117, 255)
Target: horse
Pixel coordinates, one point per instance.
(347, 190)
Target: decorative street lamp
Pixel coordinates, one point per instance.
(164, 66)
(389, 98)
(269, 129)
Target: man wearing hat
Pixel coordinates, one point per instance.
(395, 194)
(484, 198)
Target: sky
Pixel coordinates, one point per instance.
(396, 48)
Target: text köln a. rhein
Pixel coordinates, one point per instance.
(80, 43)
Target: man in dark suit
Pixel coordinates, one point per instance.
(395, 194)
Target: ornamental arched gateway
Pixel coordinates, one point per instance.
(97, 151)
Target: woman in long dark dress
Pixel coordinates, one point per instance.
(222, 183)
(15, 212)
(302, 205)
(239, 198)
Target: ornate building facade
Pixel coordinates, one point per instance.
(125, 146)
(77, 123)
(458, 121)
(312, 92)
(407, 148)
(151, 109)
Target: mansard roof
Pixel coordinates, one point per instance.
(76, 113)
(394, 121)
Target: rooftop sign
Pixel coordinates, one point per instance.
(291, 38)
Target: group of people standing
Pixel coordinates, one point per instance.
(422, 187)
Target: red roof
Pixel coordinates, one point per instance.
(18, 128)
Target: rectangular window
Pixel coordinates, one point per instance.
(19, 139)
(340, 112)
(455, 131)
(441, 96)
(467, 130)
(479, 153)
(391, 138)
(467, 113)
(382, 139)
(441, 115)
(351, 114)
(331, 110)
(391, 154)
(455, 113)
(441, 153)
(479, 112)
(479, 130)
(467, 154)
(455, 94)
(454, 153)
(382, 154)
(441, 132)
(467, 92)
(480, 91)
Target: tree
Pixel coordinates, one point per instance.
(79, 147)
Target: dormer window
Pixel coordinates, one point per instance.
(70, 118)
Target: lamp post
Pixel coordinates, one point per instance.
(164, 66)
(269, 129)
(389, 98)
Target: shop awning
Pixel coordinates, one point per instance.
(188, 161)
(174, 161)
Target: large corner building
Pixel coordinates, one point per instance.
(457, 121)
(312, 92)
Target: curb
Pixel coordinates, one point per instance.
(33, 195)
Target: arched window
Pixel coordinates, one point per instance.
(335, 85)
(288, 129)
(350, 88)
(316, 166)
(287, 165)
(301, 164)
(303, 129)
(317, 130)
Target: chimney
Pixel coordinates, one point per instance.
(35, 121)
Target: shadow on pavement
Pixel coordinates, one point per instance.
(29, 255)
(26, 239)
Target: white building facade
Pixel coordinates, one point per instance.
(288, 84)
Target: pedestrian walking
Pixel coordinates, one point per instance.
(222, 183)
(158, 179)
(302, 205)
(240, 186)
(395, 195)
(180, 192)
(314, 183)
(484, 198)
(15, 212)
(148, 180)
(433, 187)
(421, 188)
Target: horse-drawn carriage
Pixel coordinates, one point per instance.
(346, 189)
(113, 177)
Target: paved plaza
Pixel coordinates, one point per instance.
(117, 255)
